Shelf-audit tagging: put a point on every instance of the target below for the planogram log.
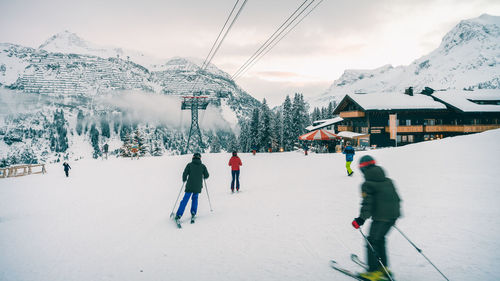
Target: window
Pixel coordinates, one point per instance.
(364, 130)
(430, 122)
(408, 122)
(404, 138)
(410, 138)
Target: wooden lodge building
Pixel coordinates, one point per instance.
(420, 117)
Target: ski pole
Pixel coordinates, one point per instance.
(180, 191)
(375, 253)
(208, 196)
(420, 251)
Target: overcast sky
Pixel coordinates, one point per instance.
(338, 35)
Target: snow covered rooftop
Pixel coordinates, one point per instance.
(388, 101)
(324, 123)
(466, 101)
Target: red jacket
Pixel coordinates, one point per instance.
(235, 163)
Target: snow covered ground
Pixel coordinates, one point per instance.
(110, 219)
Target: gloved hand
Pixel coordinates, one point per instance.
(357, 222)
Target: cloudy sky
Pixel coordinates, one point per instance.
(338, 35)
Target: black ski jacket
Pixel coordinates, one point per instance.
(194, 173)
(380, 199)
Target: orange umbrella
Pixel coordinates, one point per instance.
(319, 135)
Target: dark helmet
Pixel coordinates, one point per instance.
(197, 155)
(234, 153)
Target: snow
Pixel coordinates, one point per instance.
(388, 101)
(324, 123)
(110, 219)
(463, 100)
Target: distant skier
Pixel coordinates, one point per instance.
(349, 157)
(235, 163)
(194, 173)
(305, 147)
(382, 203)
(66, 168)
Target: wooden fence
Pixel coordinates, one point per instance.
(22, 170)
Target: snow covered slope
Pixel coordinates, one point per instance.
(110, 219)
(468, 58)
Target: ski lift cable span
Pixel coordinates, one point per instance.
(211, 54)
(270, 48)
(266, 43)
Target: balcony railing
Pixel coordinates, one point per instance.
(352, 114)
(408, 129)
(460, 128)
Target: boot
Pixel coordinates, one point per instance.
(377, 275)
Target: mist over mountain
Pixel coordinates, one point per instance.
(75, 87)
(467, 58)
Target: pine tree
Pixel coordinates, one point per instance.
(254, 130)
(105, 131)
(94, 139)
(288, 125)
(265, 130)
(300, 116)
(79, 122)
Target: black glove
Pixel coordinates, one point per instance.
(357, 222)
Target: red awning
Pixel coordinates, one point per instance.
(319, 135)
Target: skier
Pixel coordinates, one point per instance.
(382, 203)
(66, 168)
(194, 173)
(235, 163)
(305, 147)
(349, 156)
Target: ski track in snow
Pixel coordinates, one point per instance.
(110, 219)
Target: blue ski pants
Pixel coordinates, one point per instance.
(236, 177)
(185, 199)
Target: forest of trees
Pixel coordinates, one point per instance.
(264, 130)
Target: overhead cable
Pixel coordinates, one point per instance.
(275, 43)
(273, 39)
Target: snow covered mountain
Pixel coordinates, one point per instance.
(468, 58)
(105, 87)
(67, 42)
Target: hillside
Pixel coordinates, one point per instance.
(110, 219)
(467, 58)
(105, 88)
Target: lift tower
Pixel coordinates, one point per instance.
(194, 103)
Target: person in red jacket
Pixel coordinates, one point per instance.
(235, 163)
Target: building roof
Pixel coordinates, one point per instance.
(324, 123)
(469, 101)
(395, 101)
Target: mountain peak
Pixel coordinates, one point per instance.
(483, 28)
(63, 41)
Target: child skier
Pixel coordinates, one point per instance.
(194, 173)
(235, 163)
(349, 156)
(382, 203)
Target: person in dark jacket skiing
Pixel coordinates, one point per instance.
(193, 175)
(66, 168)
(235, 163)
(381, 202)
(349, 157)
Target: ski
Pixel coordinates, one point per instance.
(357, 261)
(347, 272)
